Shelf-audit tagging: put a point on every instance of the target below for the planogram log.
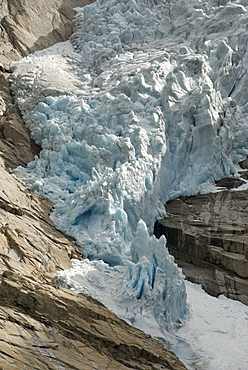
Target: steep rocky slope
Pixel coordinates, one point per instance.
(208, 235)
(26, 26)
(43, 326)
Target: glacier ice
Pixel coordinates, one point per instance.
(147, 285)
(145, 103)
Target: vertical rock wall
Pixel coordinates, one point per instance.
(208, 235)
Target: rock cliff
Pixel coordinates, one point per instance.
(208, 236)
(43, 326)
(26, 26)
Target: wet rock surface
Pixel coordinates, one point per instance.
(208, 236)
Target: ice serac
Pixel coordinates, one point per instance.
(148, 286)
(155, 276)
(147, 103)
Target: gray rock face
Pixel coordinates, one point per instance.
(208, 236)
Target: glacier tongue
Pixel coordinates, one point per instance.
(147, 102)
(148, 286)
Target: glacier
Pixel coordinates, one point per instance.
(146, 102)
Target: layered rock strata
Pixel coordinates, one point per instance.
(45, 327)
(208, 236)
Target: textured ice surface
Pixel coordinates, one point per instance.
(147, 102)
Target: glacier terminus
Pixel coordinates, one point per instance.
(146, 102)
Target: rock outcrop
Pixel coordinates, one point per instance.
(16, 146)
(28, 240)
(26, 26)
(208, 236)
(43, 326)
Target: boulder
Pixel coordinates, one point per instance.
(230, 183)
(244, 164)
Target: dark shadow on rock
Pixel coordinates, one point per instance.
(229, 183)
(208, 236)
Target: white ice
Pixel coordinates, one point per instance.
(146, 102)
(217, 330)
